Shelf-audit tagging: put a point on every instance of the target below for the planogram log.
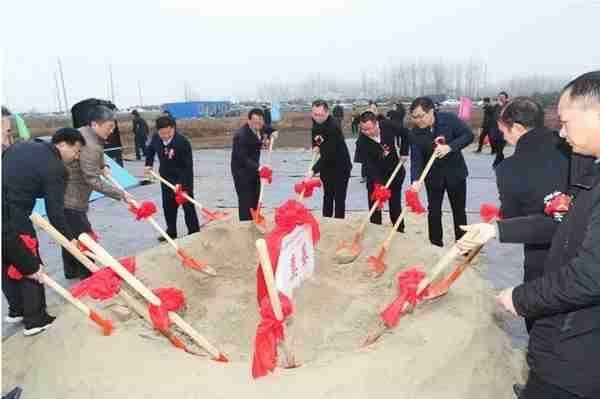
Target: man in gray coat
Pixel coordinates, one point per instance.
(83, 177)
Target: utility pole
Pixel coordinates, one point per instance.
(112, 84)
(62, 78)
(58, 101)
(140, 93)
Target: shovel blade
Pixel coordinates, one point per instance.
(378, 262)
(216, 215)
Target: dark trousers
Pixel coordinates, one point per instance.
(334, 196)
(140, 148)
(481, 140)
(499, 151)
(395, 204)
(247, 191)
(170, 207)
(78, 223)
(363, 170)
(538, 389)
(25, 297)
(457, 194)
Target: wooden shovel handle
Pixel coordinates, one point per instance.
(62, 240)
(120, 270)
(441, 265)
(426, 169)
(363, 225)
(65, 294)
(268, 164)
(267, 268)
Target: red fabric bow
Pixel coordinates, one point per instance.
(144, 211)
(440, 140)
(266, 173)
(82, 246)
(13, 273)
(414, 202)
(30, 243)
(381, 194)
(103, 283)
(289, 215)
(307, 186)
(488, 212)
(408, 281)
(172, 300)
(269, 333)
(559, 204)
(180, 194)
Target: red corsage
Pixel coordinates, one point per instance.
(557, 205)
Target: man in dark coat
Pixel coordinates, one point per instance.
(30, 170)
(538, 167)
(563, 353)
(377, 144)
(496, 139)
(177, 166)
(397, 114)
(140, 134)
(334, 164)
(338, 114)
(449, 171)
(488, 114)
(245, 161)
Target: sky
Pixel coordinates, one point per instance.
(225, 49)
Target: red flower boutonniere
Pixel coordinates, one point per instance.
(557, 205)
(386, 150)
(319, 139)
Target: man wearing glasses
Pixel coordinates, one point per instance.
(449, 171)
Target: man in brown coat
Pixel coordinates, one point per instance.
(84, 176)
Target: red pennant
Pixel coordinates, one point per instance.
(266, 173)
(381, 194)
(269, 333)
(30, 243)
(289, 215)
(307, 186)
(488, 212)
(414, 202)
(172, 300)
(180, 194)
(408, 282)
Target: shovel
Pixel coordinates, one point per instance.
(347, 252)
(433, 275)
(259, 220)
(210, 216)
(186, 260)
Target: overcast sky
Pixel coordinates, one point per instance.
(226, 48)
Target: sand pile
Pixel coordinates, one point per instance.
(451, 348)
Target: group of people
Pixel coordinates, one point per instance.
(377, 150)
(560, 296)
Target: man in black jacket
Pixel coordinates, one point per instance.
(397, 114)
(177, 166)
(563, 351)
(449, 171)
(30, 170)
(140, 134)
(338, 114)
(245, 161)
(496, 139)
(488, 114)
(377, 146)
(539, 167)
(334, 164)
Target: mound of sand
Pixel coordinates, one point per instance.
(450, 348)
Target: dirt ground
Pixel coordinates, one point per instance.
(453, 347)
